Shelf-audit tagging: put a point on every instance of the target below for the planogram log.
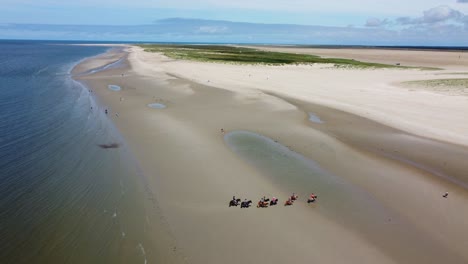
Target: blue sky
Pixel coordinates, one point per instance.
(398, 22)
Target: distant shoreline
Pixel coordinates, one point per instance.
(312, 46)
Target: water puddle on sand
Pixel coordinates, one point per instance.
(314, 118)
(114, 87)
(157, 106)
(338, 199)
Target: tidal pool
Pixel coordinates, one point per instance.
(114, 87)
(314, 118)
(157, 105)
(338, 198)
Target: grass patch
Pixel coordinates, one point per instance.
(231, 54)
(453, 73)
(462, 83)
(443, 86)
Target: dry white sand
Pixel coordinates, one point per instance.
(193, 173)
(369, 93)
(426, 58)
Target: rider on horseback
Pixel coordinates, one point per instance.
(294, 197)
(312, 198)
(234, 202)
(273, 201)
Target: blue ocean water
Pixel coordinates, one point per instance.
(63, 199)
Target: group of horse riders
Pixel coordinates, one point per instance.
(264, 202)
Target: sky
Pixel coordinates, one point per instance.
(354, 22)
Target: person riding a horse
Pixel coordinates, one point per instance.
(274, 201)
(312, 198)
(294, 197)
(234, 201)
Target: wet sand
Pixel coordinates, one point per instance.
(193, 172)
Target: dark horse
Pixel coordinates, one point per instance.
(246, 204)
(234, 202)
(273, 201)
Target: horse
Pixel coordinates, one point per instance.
(312, 198)
(246, 204)
(262, 204)
(273, 202)
(234, 202)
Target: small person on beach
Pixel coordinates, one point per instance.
(222, 130)
(445, 195)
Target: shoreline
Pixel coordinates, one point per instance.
(188, 132)
(162, 243)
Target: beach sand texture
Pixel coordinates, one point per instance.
(384, 155)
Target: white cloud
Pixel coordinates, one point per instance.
(440, 14)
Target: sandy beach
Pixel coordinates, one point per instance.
(391, 152)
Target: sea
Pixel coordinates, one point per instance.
(63, 197)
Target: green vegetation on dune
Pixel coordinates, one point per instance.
(443, 86)
(231, 54)
(461, 83)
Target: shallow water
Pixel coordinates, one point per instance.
(314, 118)
(295, 173)
(157, 105)
(114, 87)
(63, 199)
